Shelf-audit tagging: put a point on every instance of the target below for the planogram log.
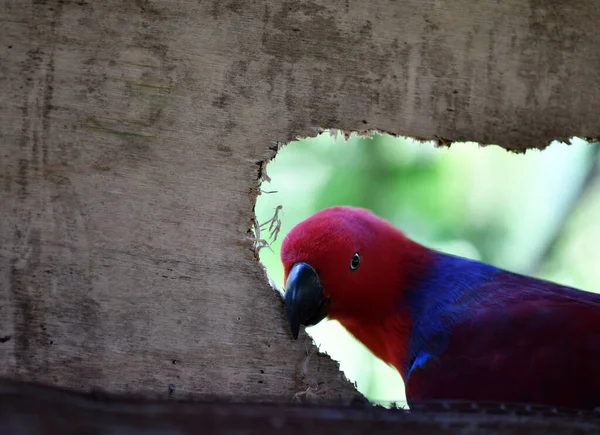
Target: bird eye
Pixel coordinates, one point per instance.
(355, 261)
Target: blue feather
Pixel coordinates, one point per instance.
(445, 294)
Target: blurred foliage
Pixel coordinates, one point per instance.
(531, 213)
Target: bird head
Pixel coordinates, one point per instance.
(343, 263)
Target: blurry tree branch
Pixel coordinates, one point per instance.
(593, 176)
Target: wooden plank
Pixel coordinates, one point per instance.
(34, 410)
(134, 136)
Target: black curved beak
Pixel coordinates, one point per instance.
(305, 302)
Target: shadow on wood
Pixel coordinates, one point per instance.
(27, 409)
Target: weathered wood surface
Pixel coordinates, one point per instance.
(133, 136)
(34, 410)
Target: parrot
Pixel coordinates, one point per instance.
(456, 329)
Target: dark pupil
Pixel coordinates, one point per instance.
(355, 262)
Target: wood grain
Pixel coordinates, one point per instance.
(133, 137)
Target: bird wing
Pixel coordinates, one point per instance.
(520, 340)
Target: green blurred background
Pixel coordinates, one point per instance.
(533, 213)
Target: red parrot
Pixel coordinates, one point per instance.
(455, 328)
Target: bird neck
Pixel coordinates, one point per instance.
(429, 282)
(388, 339)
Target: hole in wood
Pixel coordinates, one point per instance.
(532, 213)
